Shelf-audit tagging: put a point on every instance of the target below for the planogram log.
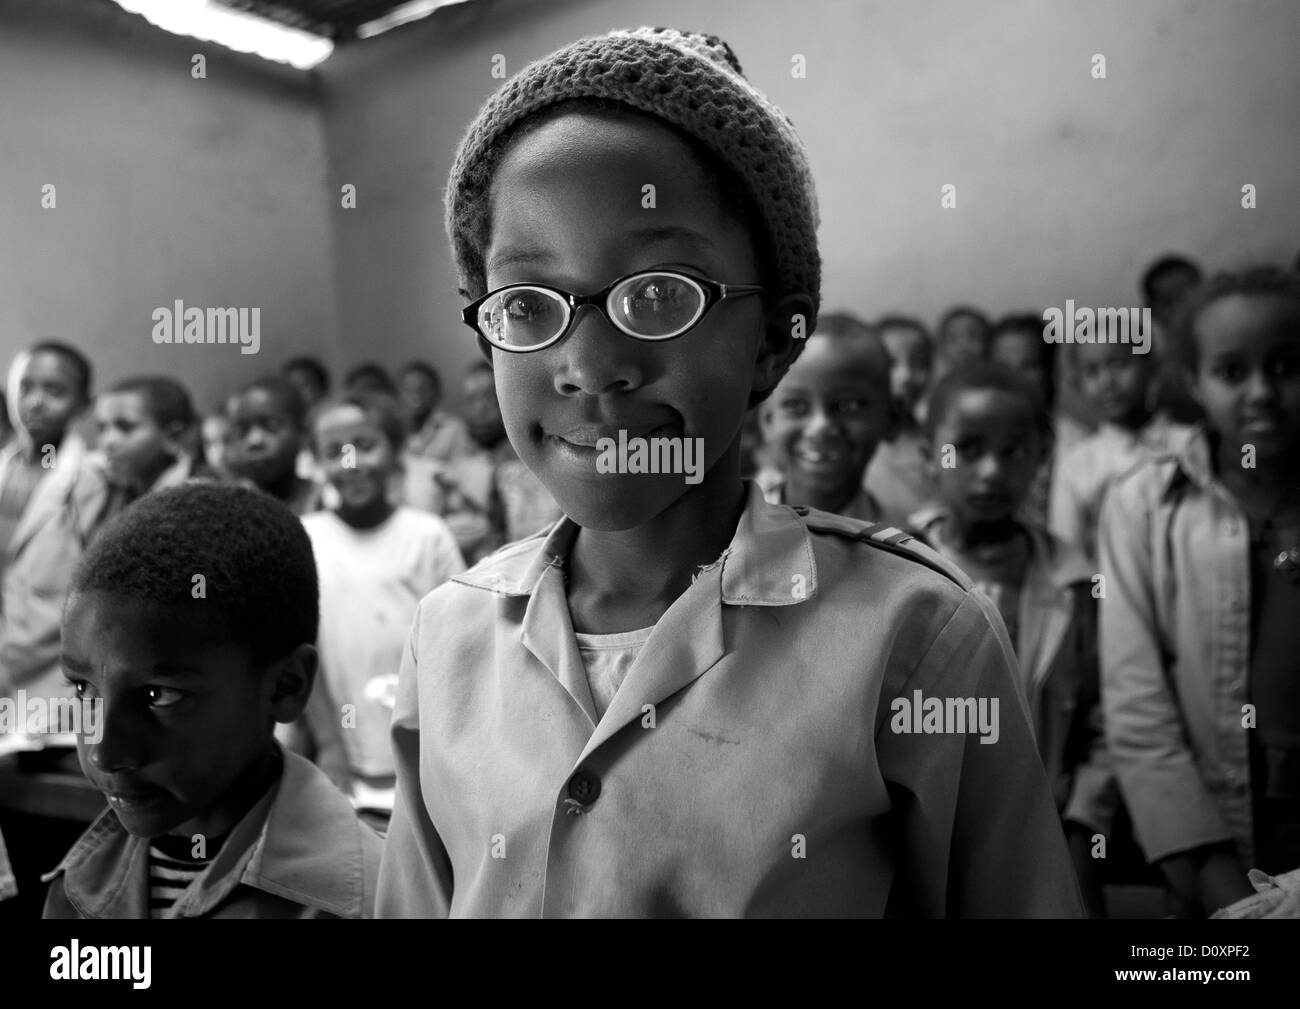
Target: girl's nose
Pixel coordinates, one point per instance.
(595, 358)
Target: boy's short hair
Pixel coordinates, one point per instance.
(380, 408)
(1032, 325)
(165, 399)
(1168, 263)
(694, 84)
(79, 362)
(425, 369)
(282, 389)
(252, 552)
(318, 370)
(846, 326)
(980, 376)
(963, 312)
(1257, 280)
(372, 374)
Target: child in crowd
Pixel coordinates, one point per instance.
(264, 436)
(486, 494)
(375, 561)
(435, 433)
(1119, 386)
(899, 477)
(684, 700)
(52, 498)
(1199, 636)
(144, 431)
(213, 441)
(191, 624)
(310, 377)
(1166, 285)
(825, 419)
(6, 425)
(989, 431)
(1017, 342)
(963, 339)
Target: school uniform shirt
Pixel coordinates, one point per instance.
(771, 481)
(1055, 638)
(65, 510)
(746, 765)
(1085, 473)
(371, 581)
(1176, 653)
(300, 852)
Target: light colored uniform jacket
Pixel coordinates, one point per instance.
(1057, 651)
(300, 852)
(54, 530)
(1175, 650)
(747, 764)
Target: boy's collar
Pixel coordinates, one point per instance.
(771, 545)
(300, 841)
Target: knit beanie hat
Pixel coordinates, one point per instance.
(693, 82)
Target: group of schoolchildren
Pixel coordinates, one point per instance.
(657, 697)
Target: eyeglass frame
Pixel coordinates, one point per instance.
(714, 292)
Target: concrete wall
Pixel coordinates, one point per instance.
(211, 191)
(1066, 185)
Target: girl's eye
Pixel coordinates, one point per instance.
(852, 407)
(794, 408)
(1230, 373)
(163, 697)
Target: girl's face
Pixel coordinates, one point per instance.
(1021, 351)
(567, 210)
(1248, 376)
(1113, 379)
(910, 364)
(357, 458)
(48, 397)
(989, 438)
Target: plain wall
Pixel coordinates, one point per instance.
(226, 191)
(167, 187)
(1067, 186)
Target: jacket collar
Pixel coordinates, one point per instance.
(301, 841)
(770, 552)
(770, 545)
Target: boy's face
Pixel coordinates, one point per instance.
(356, 456)
(48, 397)
(1113, 379)
(566, 210)
(185, 712)
(910, 364)
(1248, 376)
(963, 340)
(1168, 292)
(262, 441)
(482, 411)
(1021, 351)
(136, 448)
(308, 386)
(825, 419)
(996, 450)
(418, 395)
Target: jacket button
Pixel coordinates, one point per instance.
(584, 787)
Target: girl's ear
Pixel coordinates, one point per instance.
(788, 321)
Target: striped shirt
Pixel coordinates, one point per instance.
(173, 867)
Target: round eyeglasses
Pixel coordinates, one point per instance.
(654, 305)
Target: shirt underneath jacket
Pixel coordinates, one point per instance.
(745, 766)
(300, 852)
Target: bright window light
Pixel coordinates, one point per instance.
(245, 33)
(407, 12)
